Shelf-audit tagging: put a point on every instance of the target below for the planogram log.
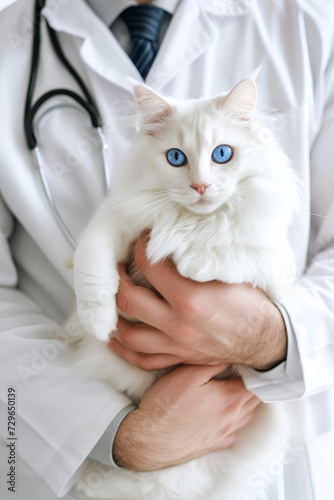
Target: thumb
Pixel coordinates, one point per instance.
(201, 375)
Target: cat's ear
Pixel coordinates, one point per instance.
(153, 107)
(241, 100)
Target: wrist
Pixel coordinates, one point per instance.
(266, 336)
(131, 443)
(102, 452)
(273, 340)
(122, 446)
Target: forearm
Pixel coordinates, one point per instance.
(266, 336)
(309, 314)
(167, 427)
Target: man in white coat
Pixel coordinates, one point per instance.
(205, 47)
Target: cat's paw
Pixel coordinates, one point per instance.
(96, 283)
(99, 317)
(196, 267)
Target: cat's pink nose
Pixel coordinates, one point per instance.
(200, 188)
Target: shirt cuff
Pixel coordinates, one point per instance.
(102, 452)
(285, 381)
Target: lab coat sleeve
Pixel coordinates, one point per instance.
(60, 417)
(103, 451)
(309, 312)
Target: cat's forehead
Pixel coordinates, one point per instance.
(197, 124)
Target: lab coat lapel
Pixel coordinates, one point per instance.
(99, 49)
(6, 3)
(192, 30)
(189, 35)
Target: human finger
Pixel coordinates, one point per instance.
(141, 303)
(162, 274)
(251, 404)
(226, 441)
(235, 388)
(200, 375)
(223, 442)
(239, 424)
(143, 338)
(147, 362)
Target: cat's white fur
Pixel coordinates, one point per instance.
(235, 232)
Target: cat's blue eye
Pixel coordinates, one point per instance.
(222, 153)
(176, 157)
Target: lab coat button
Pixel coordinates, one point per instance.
(68, 261)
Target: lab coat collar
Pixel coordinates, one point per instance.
(70, 16)
(221, 7)
(6, 3)
(225, 7)
(99, 46)
(185, 42)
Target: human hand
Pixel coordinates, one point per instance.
(184, 415)
(195, 323)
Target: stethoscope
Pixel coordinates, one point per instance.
(30, 112)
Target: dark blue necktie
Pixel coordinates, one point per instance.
(143, 22)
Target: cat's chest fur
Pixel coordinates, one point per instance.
(184, 232)
(203, 247)
(219, 246)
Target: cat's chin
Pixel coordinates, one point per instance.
(203, 206)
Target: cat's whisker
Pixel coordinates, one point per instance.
(242, 205)
(143, 220)
(154, 196)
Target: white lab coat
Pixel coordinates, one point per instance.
(209, 46)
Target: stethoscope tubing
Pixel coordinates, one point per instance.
(30, 112)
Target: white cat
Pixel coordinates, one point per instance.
(218, 200)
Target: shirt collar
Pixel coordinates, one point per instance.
(222, 7)
(109, 11)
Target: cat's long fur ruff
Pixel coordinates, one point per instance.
(237, 234)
